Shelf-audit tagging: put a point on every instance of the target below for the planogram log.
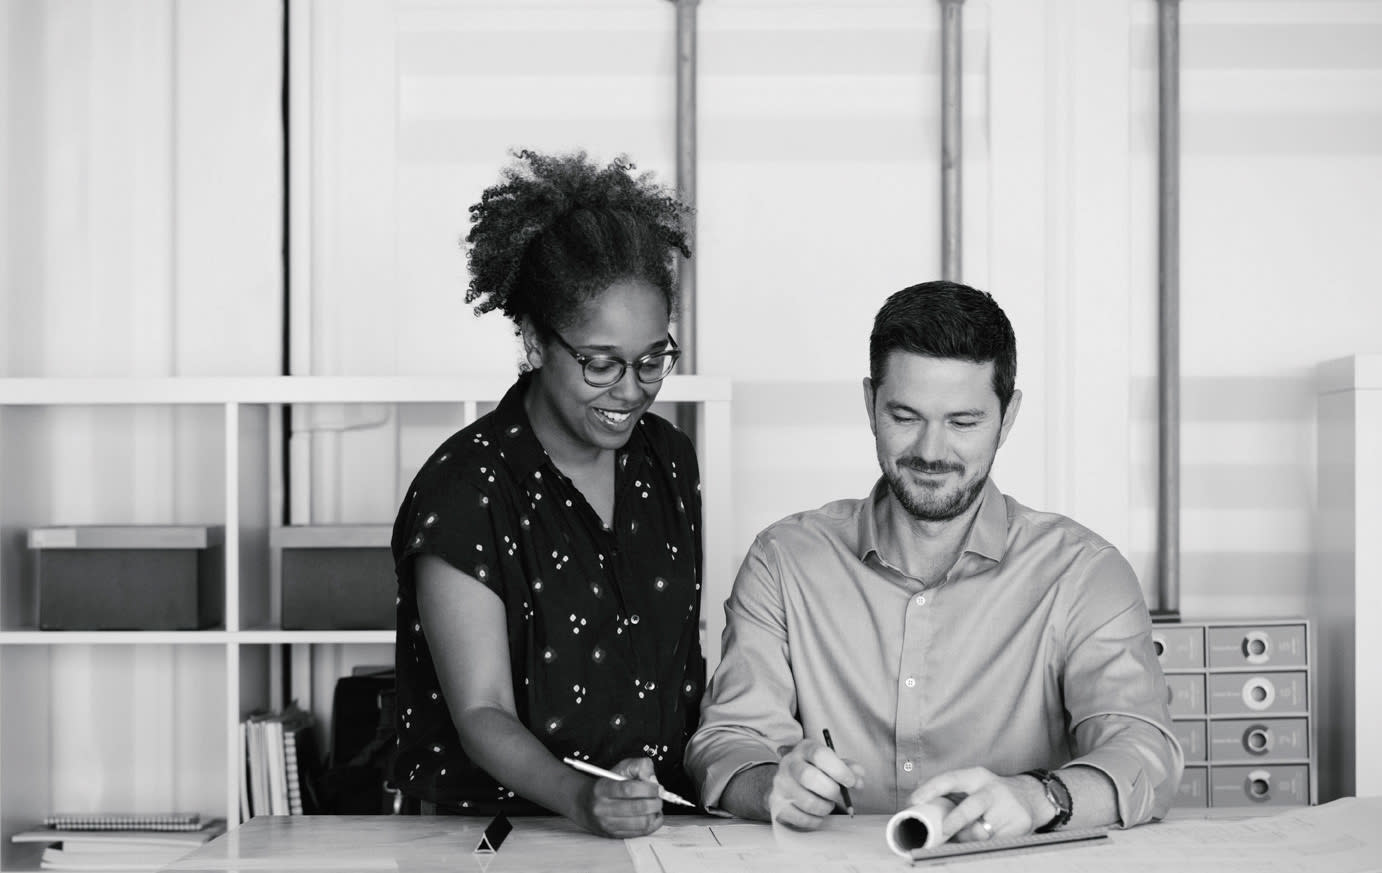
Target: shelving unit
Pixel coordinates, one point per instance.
(1240, 695)
(148, 720)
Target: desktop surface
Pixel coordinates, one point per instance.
(1336, 838)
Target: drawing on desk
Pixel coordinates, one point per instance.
(1339, 837)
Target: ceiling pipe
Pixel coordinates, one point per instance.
(1168, 311)
(951, 156)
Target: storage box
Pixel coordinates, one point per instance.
(336, 577)
(136, 577)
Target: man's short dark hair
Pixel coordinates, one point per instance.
(946, 320)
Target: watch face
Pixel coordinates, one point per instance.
(1059, 794)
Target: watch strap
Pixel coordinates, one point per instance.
(1058, 794)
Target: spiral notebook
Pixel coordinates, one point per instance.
(124, 821)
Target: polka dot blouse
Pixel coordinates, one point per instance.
(602, 621)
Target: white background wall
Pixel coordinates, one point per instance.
(140, 150)
(141, 168)
(819, 196)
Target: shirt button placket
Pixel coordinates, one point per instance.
(910, 699)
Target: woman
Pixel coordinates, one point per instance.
(549, 555)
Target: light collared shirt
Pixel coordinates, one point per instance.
(1035, 650)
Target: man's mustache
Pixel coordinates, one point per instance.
(924, 466)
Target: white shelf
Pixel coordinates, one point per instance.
(262, 636)
(101, 638)
(151, 717)
(269, 636)
(302, 389)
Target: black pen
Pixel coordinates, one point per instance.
(844, 792)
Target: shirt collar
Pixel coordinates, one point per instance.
(522, 447)
(988, 536)
(512, 427)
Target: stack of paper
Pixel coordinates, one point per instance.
(119, 842)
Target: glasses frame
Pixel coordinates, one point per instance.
(672, 351)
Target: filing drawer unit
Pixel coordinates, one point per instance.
(1240, 697)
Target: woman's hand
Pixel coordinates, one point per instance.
(631, 808)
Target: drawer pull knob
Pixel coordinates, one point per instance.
(1259, 786)
(1257, 647)
(1259, 693)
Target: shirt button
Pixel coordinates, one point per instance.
(907, 765)
(633, 619)
(911, 683)
(921, 600)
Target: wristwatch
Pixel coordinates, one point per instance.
(1059, 796)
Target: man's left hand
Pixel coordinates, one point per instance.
(1012, 806)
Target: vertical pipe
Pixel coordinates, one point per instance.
(951, 72)
(1168, 320)
(687, 333)
(686, 174)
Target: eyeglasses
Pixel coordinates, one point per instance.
(602, 371)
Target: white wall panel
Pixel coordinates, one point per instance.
(142, 147)
(415, 107)
(1281, 253)
(819, 195)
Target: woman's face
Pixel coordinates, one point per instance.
(629, 320)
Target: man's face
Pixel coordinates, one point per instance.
(937, 427)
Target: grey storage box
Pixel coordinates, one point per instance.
(336, 576)
(129, 577)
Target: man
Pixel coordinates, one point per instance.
(953, 641)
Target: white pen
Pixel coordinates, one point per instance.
(600, 771)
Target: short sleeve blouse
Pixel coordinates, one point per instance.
(603, 623)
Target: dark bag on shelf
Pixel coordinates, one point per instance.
(356, 779)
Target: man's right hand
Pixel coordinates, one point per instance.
(806, 786)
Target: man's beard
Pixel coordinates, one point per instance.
(925, 504)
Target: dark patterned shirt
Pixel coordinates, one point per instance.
(602, 621)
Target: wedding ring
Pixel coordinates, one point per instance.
(988, 828)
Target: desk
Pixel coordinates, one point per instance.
(1337, 838)
(406, 843)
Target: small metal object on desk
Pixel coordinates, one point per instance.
(494, 835)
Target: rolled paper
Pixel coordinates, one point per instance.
(918, 827)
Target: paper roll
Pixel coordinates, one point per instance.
(918, 827)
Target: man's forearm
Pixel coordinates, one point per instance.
(746, 793)
(1093, 798)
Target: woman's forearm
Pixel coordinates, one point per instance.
(497, 741)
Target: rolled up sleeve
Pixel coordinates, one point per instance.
(1115, 692)
(749, 709)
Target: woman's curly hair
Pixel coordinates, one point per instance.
(558, 230)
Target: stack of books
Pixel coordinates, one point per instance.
(280, 764)
(119, 841)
